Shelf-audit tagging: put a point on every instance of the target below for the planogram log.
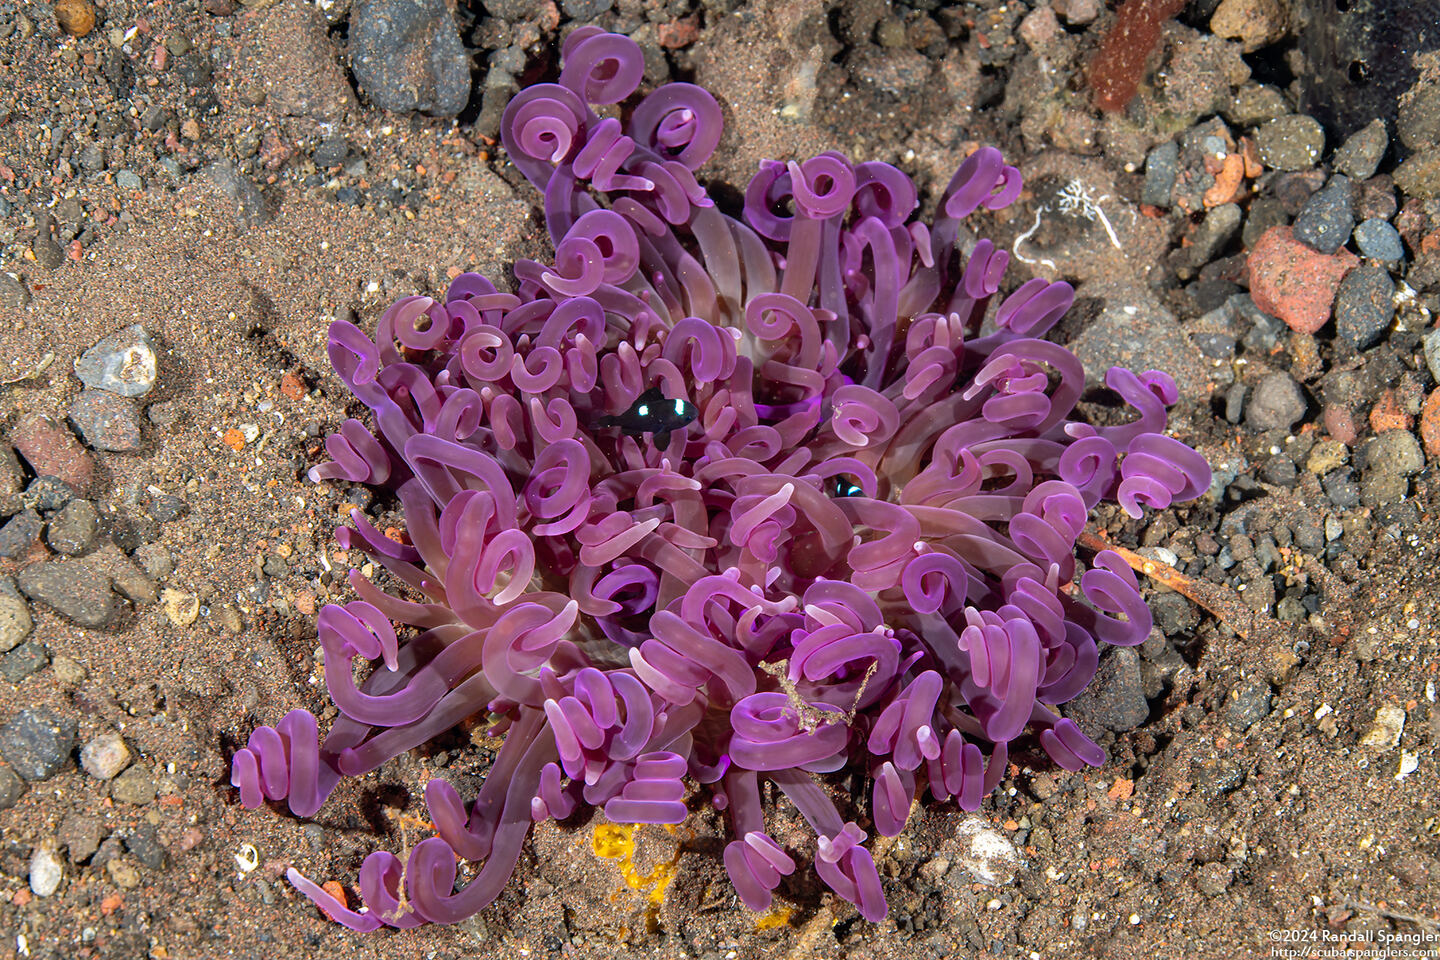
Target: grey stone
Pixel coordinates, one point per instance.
(123, 363)
(1276, 403)
(1135, 330)
(145, 846)
(129, 181)
(1418, 120)
(37, 743)
(1328, 217)
(20, 533)
(11, 788)
(1431, 346)
(1362, 151)
(73, 529)
(106, 421)
(80, 835)
(24, 660)
(1162, 165)
(1115, 699)
(73, 589)
(1395, 451)
(1381, 487)
(249, 203)
(406, 55)
(1364, 306)
(1290, 143)
(48, 494)
(13, 292)
(1379, 241)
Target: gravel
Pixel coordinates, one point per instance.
(11, 788)
(134, 786)
(25, 660)
(73, 529)
(106, 421)
(1378, 240)
(1290, 143)
(46, 870)
(20, 533)
(407, 56)
(1362, 151)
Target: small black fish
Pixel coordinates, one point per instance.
(845, 486)
(653, 413)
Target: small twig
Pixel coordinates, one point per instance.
(39, 368)
(1221, 603)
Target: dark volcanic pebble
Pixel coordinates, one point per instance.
(13, 293)
(1364, 306)
(1379, 241)
(73, 529)
(1115, 699)
(24, 660)
(1328, 217)
(1342, 489)
(146, 846)
(249, 203)
(11, 787)
(406, 55)
(37, 743)
(106, 421)
(20, 533)
(48, 494)
(73, 589)
(1276, 403)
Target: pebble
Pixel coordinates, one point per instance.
(1360, 154)
(73, 589)
(1255, 23)
(80, 835)
(1364, 306)
(1379, 487)
(164, 507)
(1378, 240)
(1276, 403)
(11, 788)
(298, 65)
(1430, 343)
(1247, 704)
(46, 870)
(123, 363)
(406, 55)
(106, 421)
(585, 10)
(987, 854)
(145, 846)
(12, 475)
(1328, 217)
(1254, 104)
(134, 786)
(73, 529)
(105, 755)
(48, 494)
(37, 743)
(155, 560)
(13, 293)
(67, 671)
(15, 622)
(20, 533)
(1213, 879)
(47, 252)
(1419, 176)
(249, 203)
(1290, 143)
(24, 660)
(1342, 490)
(332, 151)
(1395, 451)
(1162, 166)
(1294, 282)
(129, 181)
(1115, 699)
(123, 873)
(53, 451)
(1418, 120)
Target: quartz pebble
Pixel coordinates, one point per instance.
(46, 870)
(105, 755)
(123, 363)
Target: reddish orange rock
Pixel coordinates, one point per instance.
(1430, 423)
(1291, 281)
(53, 451)
(1387, 414)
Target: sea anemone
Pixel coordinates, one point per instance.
(710, 501)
